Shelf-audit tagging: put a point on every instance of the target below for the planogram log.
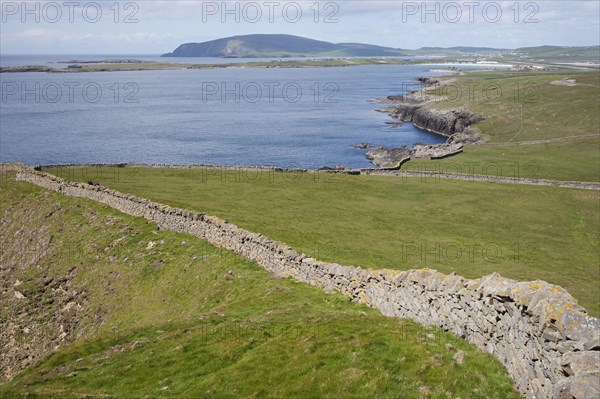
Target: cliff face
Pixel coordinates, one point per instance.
(417, 107)
(447, 122)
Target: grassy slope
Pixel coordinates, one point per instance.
(577, 160)
(522, 107)
(473, 228)
(190, 328)
(562, 53)
(525, 106)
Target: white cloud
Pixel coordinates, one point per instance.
(165, 24)
(47, 35)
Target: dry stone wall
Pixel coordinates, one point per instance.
(546, 341)
(436, 176)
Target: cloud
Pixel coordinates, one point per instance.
(165, 24)
(49, 35)
(35, 34)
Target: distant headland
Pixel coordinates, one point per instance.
(287, 46)
(268, 45)
(288, 51)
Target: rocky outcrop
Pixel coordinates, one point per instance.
(418, 107)
(428, 81)
(446, 122)
(393, 158)
(385, 157)
(362, 146)
(546, 341)
(436, 151)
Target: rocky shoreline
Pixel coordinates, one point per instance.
(417, 107)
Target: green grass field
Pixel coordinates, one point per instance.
(550, 54)
(577, 160)
(521, 107)
(206, 322)
(472, 228)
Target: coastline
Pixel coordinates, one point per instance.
(78, 66)
(415, 106)
(136, 65)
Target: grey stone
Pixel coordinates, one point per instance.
(579, 327)
(578, 363)
(586, 386)
(550, 332)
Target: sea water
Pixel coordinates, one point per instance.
(283, 117)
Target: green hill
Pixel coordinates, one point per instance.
(100, 304)
(272, 45)
(266, 45)
(566, 52)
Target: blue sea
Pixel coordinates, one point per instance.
(308, 117)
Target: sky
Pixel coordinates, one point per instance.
(156, 27)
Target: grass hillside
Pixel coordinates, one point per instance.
(527, 106)
(522, 107)
(138, 312)
(562, 53)
(576, 160)
(472, 228)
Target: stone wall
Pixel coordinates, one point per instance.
(548, 344)
(436, 176)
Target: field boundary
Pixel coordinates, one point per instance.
(432, 176)
(544, 141)
(425, 175)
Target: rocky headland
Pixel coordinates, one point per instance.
(385, 157)
(418, 107)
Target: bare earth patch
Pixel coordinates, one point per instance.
(564, 82)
